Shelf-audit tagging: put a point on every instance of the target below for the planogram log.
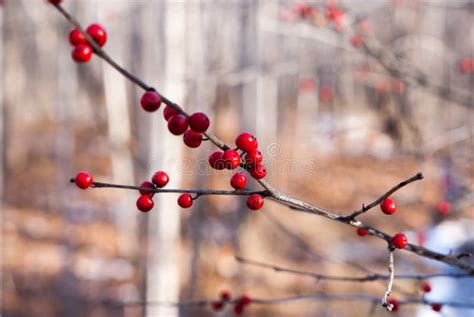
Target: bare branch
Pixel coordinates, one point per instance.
(391, 276)
(361, 279)
(365, 208)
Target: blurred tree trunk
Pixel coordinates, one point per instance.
(165, 150)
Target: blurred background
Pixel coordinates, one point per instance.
(335, 128)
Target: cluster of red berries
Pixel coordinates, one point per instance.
(249, 158)
(225, 298)
(82, 51)
(145, 202)
(192, 127)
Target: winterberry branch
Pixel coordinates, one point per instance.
(365, 208)
(199, 192)
(272, 193)
(391, 275)
(361, 279)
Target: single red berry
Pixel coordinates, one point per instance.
(192, 139)
(246, 142)
(178, 124)
(216, 305)
(168, 112)
(426, 287)
(98, 33)
(356, 40)
(258, 171)
(150, 101)
(388, 206)
(216, 161)
(55, 1)
(238, 309)
(238, 181)
(76, 37)
(145, 203)
(143, 191)
(395, 304)
(225, 295)
(362, 232)
(466, 65)
(199, 122)
(81, 53)
(231, 159)
(83, 180)
(245, 300)
(444, 207)
(436, 306)
(185, 201)
(160, 179)
(255, 202)
(253, 158)
(399, 240)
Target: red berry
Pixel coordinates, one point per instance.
(144, 185)
(150, 101)
(145, 203)
(395, 304)
(238, 309)
(426, 287)
(258, 171)
(55, 1)
(466, 65)
(246, 142)
(253, 158)
(255, 202)
(362, 232)
(238, 181)
(168, 112)
(216, 161)
(225, 295)
(160, 179)
(98, 33)
(399, 240)
(388, 206)
(185, 201)
(444, 207)
(245, 300)
(436, 306)
(178, 124)
(199, 122)
(192, 139)
(76, 37)
(216, 306)
(83, 180)
(356, 40)
(81, 53)
(231, 159)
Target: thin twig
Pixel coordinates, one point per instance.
(198, 192)
(361, 279)
(365, 208)
(391, 276)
